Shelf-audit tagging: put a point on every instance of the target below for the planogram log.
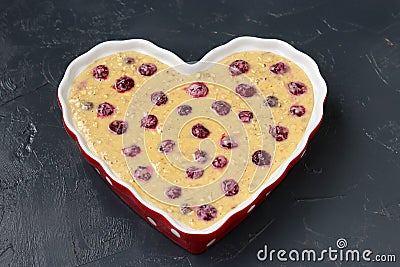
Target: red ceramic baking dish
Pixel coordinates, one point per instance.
(200, 235)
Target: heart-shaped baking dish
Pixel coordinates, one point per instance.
(198, 238)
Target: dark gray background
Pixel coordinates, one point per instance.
(56, 211)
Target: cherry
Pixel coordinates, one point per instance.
(206, 212)
(245, 90)
(100, 72)
(238, 67)
(297, 110)
(149, 122)
(271, 101)
(159, 98)
(200, 156)
(230, 187)
(280, 133)
(194, 172)
(221, 107)
(185, 209)
(227, 143)
(147, 69)
(184, 110)
(219, 162)
(297, 88)
(261, 158)
(129, 60)
(197, 89)
(166, 146)
(173, 192)
(118, 127)
(124, 84)
(143, 173)
(246, 116)
(279, 68)
(131, 151)
(105, 110)
(199, 131)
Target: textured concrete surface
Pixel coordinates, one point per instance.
(56, 211)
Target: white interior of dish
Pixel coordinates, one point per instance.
(236, 45)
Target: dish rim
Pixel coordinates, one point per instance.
(240, 44)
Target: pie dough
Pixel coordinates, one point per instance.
(155, 158)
